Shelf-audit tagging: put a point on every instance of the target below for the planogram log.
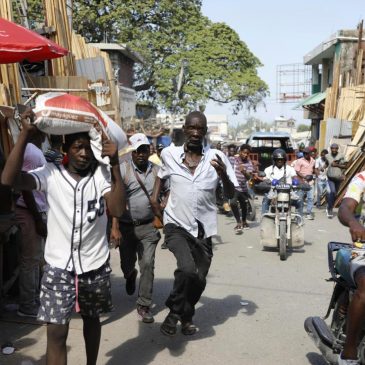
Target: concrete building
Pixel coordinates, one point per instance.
(282, 124)
(341, 47)
(123, 60)
(217, 124)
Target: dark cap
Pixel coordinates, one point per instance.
(334, 145)
(307, 150)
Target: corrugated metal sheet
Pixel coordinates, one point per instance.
(313, 99)
(92, 68)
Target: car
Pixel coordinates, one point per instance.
(263, 144)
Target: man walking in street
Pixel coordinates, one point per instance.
(139, 237)
(243, 169)
(320, 168)
(336, 165)
(305, 170)
(190, 216)
(77, 272)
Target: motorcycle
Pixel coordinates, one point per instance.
(281, 227)
(330, 339)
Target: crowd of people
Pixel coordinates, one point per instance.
(71, 209)
(70, 203)
(321, 173)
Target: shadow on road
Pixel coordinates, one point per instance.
(144, 348)
(316, 359)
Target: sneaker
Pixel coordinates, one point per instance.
(29, 313)
(145, 314)
(342, 361)
(309, 216)
(245, 225)
(329, 214)
(130, 284)
(238, 229)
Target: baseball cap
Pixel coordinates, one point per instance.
(334, 145)
(138, 140)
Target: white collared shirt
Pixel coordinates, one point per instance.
(273, 172)
(77, 220)
(192, 197)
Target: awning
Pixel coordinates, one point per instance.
(311, 100)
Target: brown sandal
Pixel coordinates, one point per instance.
(188, 328)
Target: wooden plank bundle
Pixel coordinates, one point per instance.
(56, 17)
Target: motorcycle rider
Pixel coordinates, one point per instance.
(277, 171)
(347, 214)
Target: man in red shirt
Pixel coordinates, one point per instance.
(304, 168)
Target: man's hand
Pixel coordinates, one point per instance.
(115, 237)
(26, 119)
(242, 169)
(357, 231)
(110, 149)
(219, 165)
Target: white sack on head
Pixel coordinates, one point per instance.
(61, 113)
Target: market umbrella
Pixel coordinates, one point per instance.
(19, 44)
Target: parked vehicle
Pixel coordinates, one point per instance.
(330, 339)
(281, 226)
(263, 144)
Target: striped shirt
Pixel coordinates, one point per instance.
(241, 178)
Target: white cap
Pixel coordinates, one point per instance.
(138, 140)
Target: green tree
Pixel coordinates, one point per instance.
(303, 128)
(174, 38)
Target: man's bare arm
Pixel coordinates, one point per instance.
(346, 215)
(12, 175)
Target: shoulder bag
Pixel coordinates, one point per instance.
(156, 221)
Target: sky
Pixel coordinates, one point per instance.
(280, 32)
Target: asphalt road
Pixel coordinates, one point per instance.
(252, 311)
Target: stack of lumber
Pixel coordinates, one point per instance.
(57, 18)
(82, 50)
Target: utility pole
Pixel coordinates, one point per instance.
(179, 84)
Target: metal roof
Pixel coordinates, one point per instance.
(119, 47)
(311, 100)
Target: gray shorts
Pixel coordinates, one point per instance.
(58, 294)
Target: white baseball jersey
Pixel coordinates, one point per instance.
(77, 218)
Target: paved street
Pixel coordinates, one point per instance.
(252, 311)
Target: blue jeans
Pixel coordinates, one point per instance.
(332, 189)
(310, 195)
(321, 186)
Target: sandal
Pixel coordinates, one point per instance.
(169, 325)
(188, 328)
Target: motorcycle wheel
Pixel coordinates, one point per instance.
(282, 240)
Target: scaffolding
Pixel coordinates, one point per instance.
(293, 82)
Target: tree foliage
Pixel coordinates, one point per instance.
(303, 128)
(174, 38)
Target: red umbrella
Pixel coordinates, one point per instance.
(19, 44)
